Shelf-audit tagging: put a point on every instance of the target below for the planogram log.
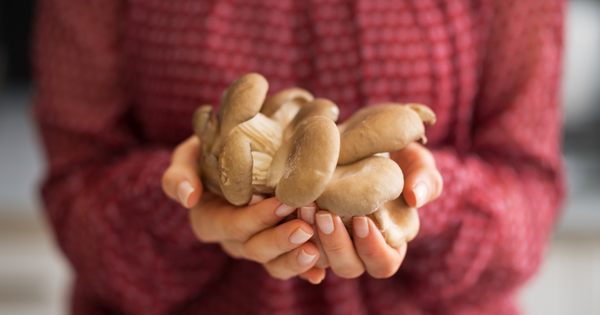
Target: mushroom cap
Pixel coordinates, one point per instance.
(274, 103)
(318, 107)
(383, 128)
(241, 102)
(205, 126)
(361, 188)
(235, 169)
(306, 161)
(398, 222)
(426, 114)
(209, 171)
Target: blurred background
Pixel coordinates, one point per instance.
(34, 277)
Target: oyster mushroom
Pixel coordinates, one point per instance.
(382, 128)
(304, 164)
(363, 187)
(397, 221)
(239, 146)
(283, 106)
(366, 181)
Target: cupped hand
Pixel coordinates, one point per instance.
(253, 232)
(367, 250)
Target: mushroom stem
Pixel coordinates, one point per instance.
(264, 134)
(260, 166)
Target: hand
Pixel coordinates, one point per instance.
(367, 250)
(249, 232)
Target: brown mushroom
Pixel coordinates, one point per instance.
(284, 105)
(318, 107)
(361, 188)
(382, 128)
(397, 221)
(205, 126)
(240, 103)
(235, 169)
(304, 164)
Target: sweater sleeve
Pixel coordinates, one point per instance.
(488, 230)
(132, 248)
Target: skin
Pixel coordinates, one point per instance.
(253, 232)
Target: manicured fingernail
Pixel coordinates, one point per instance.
(308, 214)
(184, 191)
(304, 258)
(325, 223)
(299, 236)
(420, 191)
(361, 227)
(284, 210)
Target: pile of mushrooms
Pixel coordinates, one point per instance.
(289, 146)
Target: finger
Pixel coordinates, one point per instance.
(322, 262)
(180, 181)
(422, 181)
(380, 260)
(314, 275)
(256, 199)
(271, 243)
(338, 246)
(233, 249)
(293, 263)
(307, 213)
(215, 220)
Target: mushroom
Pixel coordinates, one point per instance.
(283, 106)
(205, 128)
(304, 164)
(290, 147)
(366, 181)
(382, 128)
(361, 188)
(239, 146)
(397, 221)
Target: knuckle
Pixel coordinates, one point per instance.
(333, 247)
(349, 271)
(260, 220)
(276, 273)
(203, 236)
(369, 252)
(198, 221)
(236, 229)
(255, 255)
(230, 250)
(385, 271)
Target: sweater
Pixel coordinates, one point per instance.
(117, 83)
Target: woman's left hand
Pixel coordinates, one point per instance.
(367, 250)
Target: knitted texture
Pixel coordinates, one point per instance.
(117, 82)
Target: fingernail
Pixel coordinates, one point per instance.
(304, 258)
(420, 192)
(308, 214)
(284, 210)
(184, 191)
(361, 227)
(299, 236)
(325, 223)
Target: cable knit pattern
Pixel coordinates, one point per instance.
(117, 82)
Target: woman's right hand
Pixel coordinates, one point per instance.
(249, 232)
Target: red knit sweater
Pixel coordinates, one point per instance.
(117, 82)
